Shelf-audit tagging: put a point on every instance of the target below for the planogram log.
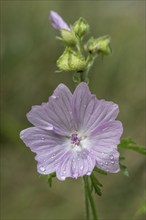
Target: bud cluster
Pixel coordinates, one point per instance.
(78, 56)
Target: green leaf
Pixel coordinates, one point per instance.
(50, 177)
(121, 158)
(142, 209)
(96, 169)
(128, 143)
(124, 169)
(95, 184)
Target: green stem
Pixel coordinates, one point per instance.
(90, 61)
(86, 200)
(90, 199)
(79, 46)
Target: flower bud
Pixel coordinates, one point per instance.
(57, 21)
(81, 27)
(71, 61)
(100, 45)
(68, 37)
(103, 45)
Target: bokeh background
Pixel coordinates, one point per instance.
(29, 52)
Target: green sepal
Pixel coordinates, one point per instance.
(99, 45)
(124, 169)
(71, 60)
(129, 144)
(68, 37)
(96, 169)
(81, 27)
(95, 184)
(50, 177)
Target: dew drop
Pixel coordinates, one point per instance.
(43, 138)
(112, 162)
(75, 175)
(62, 177)
(50, 127)
(106, 163)
(103, 153)
(81, 167)
(74, 167)
(111, 157)
(42, 169)
(88, 173)
(53, 156)
(53, 96)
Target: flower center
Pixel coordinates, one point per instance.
(75, 140)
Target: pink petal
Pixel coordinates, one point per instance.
(56, 114)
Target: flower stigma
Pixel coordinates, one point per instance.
(75, 140)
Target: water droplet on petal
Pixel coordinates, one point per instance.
(112, 162)
(42, 169)
(50, 127)
(74, 167)
(43, 138)
(53, 96)
(75, 175)
(81, 167)
(53, 156)
(111, 157)
(88, 173)
(103, 153)
(62, 177)
(106, 163)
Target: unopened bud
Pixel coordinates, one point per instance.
(81, 27)
(71, 61)
(68, 37)
(100, 45)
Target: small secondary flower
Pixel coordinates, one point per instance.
(73, 133)
(57, 22)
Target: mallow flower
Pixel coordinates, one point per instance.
(73, 133)
(57, 21)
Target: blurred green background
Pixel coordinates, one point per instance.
(29, 52)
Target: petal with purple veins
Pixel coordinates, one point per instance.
(104, 146)
(76, 165)
(57, 22)
(49, 147)
(81, 98)
(56, 114)
(104, 111)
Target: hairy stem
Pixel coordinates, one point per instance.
(86, 200)
(89, 200)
